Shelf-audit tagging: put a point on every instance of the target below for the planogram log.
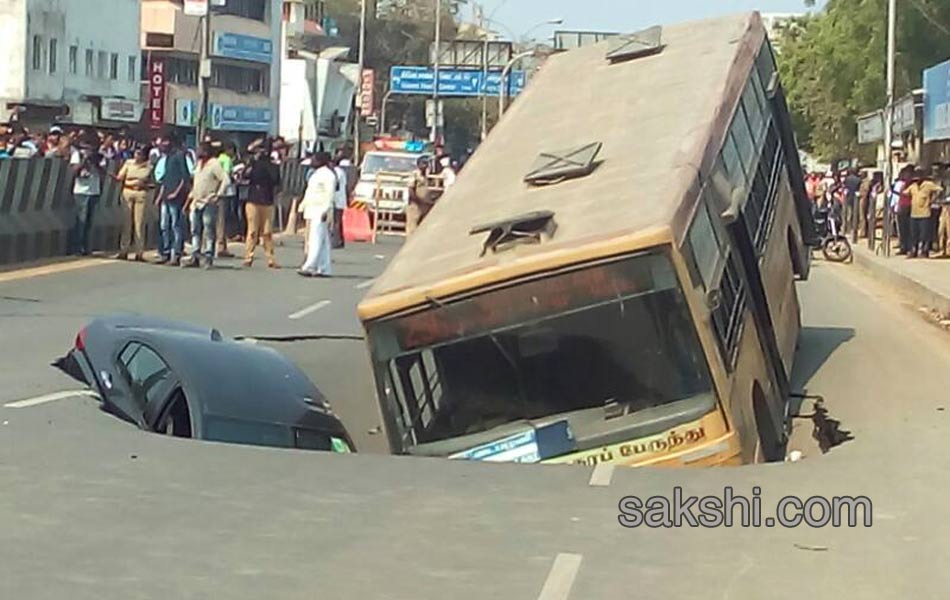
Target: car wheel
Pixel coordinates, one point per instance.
(177, 421)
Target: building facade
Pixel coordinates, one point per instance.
(62, 65)
(244, 91)
(318, 85)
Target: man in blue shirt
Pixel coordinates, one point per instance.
(175, 182)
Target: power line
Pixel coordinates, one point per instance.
(926, 13)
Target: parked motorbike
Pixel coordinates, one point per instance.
(834, 244)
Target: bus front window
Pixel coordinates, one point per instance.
(615, 339)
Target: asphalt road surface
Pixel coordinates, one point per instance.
(92, 508)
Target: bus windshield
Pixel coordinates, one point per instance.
(390, 163)
(592, 345)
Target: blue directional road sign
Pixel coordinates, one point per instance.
(453, 82)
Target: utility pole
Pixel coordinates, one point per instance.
(362, 60)
(889, 124)
(204, 77)
(481, 25)
(435, 70)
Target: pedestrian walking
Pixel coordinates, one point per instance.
(922, 191)
(317, 207)
(87, 167)
(211, 183)
(263, 178)
(227, 202)
(419, 196)
(340, 202)
(174, 176)
(135, 177)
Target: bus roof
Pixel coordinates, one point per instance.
(661, 119)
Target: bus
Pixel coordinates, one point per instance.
(612, 279)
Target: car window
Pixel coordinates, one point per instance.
(144, 370)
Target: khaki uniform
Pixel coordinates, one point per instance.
(418, 205)
(136, 177)
(260, 228)
(943, 231)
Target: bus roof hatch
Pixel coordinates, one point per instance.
(642, 43)
(554, 167)
(529, 228)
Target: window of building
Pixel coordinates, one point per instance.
(37, 53)
(114, 66)
(159, 40)
(181, 71)
(132, 72)
(103, 63)
(249, 9)
(245, 80)
(53, 52)
(73, 59)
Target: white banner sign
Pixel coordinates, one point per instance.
(196, 8)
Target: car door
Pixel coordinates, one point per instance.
(146, 379)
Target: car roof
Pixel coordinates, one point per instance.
(229, 378)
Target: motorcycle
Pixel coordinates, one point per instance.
(834, 244)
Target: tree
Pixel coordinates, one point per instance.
(401, 34)
(833, 66)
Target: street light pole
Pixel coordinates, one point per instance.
(503, 85)
(357, 114)
(435, 71)
(204, 79)
(889, 123)
(484, 89)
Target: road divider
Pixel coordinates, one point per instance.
(309, 310)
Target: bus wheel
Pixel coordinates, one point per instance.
(770, 447)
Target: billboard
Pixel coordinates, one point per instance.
(367, 97)
(570, 40)
(937, 103)
(473, 54)
(242, 47)
(156, 93)
(453, 82)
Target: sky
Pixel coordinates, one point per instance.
(516, 17)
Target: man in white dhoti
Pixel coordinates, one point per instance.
(317, 209)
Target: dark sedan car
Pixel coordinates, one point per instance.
(188, 381)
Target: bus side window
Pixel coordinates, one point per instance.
(706, 245)
(422, 391)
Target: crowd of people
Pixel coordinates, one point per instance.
(919, 201)
(199, 189)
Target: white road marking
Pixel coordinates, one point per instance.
(602, 475)
(561, 577)
(28, 402)
(309, 310)
(365, 284)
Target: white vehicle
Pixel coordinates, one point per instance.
(391, 172)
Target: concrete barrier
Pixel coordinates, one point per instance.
(37, 211)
